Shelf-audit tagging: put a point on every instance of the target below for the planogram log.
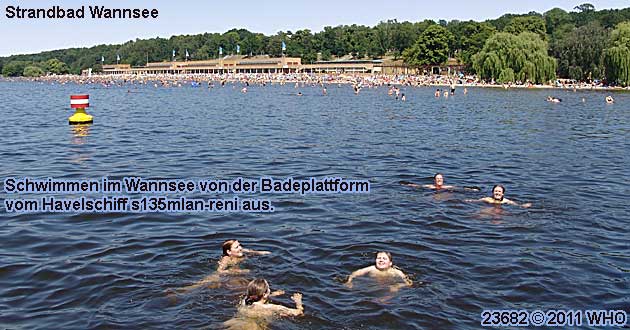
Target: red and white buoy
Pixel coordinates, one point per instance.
(80, 102)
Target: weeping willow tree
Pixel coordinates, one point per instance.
(617, 57)
(521, 57)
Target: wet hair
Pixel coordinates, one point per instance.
(389, 255)
(256, 290)
(436, 174)
(227, 246)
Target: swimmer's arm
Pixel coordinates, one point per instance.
(214, 277)
(511, 202)
(276, 293)
(488, 200)
(356, 273)
(404, 277)
(259, 253)
(410, 184)
(286, 311)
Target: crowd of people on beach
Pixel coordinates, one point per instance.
(263, 79)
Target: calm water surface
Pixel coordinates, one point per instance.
(570, 250)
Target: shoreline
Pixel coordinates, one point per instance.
(179, 80)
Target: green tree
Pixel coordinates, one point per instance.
(473, 36)
(525, 54)
(555, 18)
(14, 68)
(580, 53)
(430, 48)
(617, 57)
(585, 14)
(55, 66)
(33, 71)
(506, 76)
(522, 24)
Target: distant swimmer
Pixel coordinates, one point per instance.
(403, 97)
(299, 94)
(452, 89)
(498, 193)
(233, 254)
(325, 91)
(445, 94)
(244, 90)
(465, 90)
(383, 268)
(553, 99)
(609, 100)
(255, 310)
(437, 93)
(438, 183)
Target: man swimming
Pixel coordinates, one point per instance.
(383, 267)
(553, 99)
(438, 183)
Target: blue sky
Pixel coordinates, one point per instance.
(20, 36)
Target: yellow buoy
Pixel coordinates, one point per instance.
(79, 103)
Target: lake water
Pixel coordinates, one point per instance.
(570, 250)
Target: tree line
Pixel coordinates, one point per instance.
(584, 44)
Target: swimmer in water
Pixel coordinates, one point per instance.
(233, 254)
(609, 100)
(255, 307)
(299, 94)
(437, 93)
(553, 99)
(497, 198)
(383, 267)
(438, 183)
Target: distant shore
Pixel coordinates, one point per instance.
(178, 80)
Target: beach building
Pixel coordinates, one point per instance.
(227, 64)
(267, 64)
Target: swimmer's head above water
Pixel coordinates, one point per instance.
(498, 191)
(438, 180)
(257, 290)
(383, 260)
(232, 248)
